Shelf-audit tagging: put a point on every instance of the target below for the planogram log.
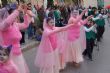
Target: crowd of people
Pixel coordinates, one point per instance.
(67, 34)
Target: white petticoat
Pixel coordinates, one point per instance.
(74, 52)
(20, 63)
(48, 63)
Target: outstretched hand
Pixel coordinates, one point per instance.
(89, 17)
(20, 8)
(25, 8)
(85, 10)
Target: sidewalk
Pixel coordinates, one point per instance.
(29, 44)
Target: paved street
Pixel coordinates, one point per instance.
(101, 63)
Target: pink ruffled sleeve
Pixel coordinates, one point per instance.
(83, 22)
(58, 29)
(31, 13)
(74, 21)
(27, 21)
(9, 20)
(79, 18)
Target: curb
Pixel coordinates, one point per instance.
(30, 46)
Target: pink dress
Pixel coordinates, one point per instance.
(50, 48)
(11, 35)
(8, 67)
(47, 58)
(62, 45)
(82, 38)
(74, 43)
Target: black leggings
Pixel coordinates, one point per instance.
(23, 37)
(89, 48)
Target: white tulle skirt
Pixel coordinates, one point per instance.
(19, 61)
(62, 46)
(74, 52)
(48, 62)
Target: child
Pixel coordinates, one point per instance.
(74, 49)
(6, 65)
(100, 21)
(90, 28)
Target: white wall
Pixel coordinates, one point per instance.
(0, 2)
(88, 3)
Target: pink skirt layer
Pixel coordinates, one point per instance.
(62, 38)
(74, 51)
(20, 63)
(83, 38)
(48, 62)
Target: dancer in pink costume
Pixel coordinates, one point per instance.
(3, 15)
(74, 50)
(10, 34)
(7, 65)
(47, 58)
(63, 45)
(62, 38)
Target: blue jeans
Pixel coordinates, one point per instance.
(30, 31)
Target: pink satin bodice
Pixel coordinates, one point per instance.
(12, 36)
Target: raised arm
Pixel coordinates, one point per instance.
(59, 29)
(83, 13)
(88, 29)
(75, 21)
(83, 22)
(31, 13)
(9, 20)
(25, 24)
(95, 19)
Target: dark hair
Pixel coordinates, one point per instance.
(91, 20)
(51, 14)
(10, 11)
(7, 50)
(22, 1)
(29, 4)
(48, 19)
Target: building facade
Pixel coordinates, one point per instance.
(96, 3)
(88, 3)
